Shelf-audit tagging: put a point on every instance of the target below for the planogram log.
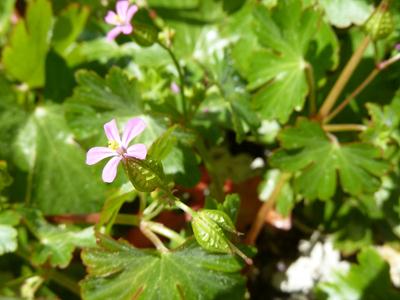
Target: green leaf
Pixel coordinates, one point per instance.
(11, 117)
(383, 127)
(277, 70)
(61, 181)
(96, 101)
(367, 280)
(163, 145)
(237, 99)
(183, 165)
(146, 175)
(8, 234)
(8, 239)
(25, 57)
(318, 158)
(231, 206)
(175, 4)
(113, 203)
(5, 178)
(121, 272)
(56, 243)
(6, 10)
(68, 26)
(344, 13)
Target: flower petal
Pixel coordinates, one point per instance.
(111, 18)
(110, 169)
(113, 33)
(96, 154)
(132, 128)
(131, 12)
(138, 151)
(122, 8)
(111, 131)
(126, 29)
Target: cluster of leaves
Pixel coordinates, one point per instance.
(252, 73)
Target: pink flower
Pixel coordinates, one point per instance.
(175, 88)
(121, 19)
(118, 148)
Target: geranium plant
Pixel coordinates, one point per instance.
(199, 149)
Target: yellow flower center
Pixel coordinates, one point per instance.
(113, 145)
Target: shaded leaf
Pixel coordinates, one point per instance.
(367, 280)
(56, 243)
(6, 9)
(318, 159)
(25, 57)
(96, 101)
(68, 26)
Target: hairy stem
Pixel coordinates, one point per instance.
(125, 219)
(178, 203)
(216, 186)
(344, 127)
(265, 208)
(152, 237)
(63, 280)
(181, 77)
(380, 67)
(343, 79)
(161, 229)
(311, 86)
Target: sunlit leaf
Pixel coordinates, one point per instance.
(277, 69)
(185, 273)
(61, 181)
(8, 234)
(343, 13)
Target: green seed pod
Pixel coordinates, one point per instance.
(380, 24)
(145, 35)
(209, 234)
(145, 175)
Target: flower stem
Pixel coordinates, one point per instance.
(178, 203)
(216, 186)
(63, 280)
(344, 127)
(381, 66)
(125, 219)
(343, 79)
(161, 229)
(181, 77)
(152, 237)
(311, 86)
(265, 208)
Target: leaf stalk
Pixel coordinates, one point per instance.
(343, 79)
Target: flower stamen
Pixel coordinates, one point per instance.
(113, 145)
